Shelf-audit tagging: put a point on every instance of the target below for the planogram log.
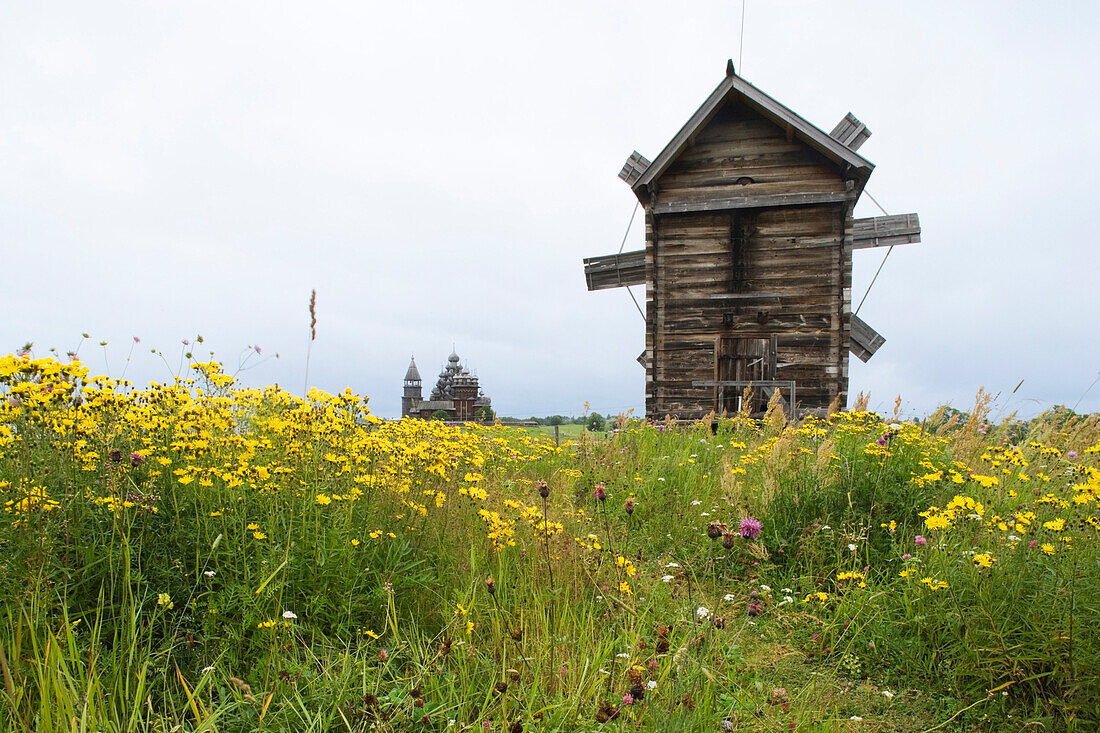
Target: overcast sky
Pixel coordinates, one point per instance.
(437, 171)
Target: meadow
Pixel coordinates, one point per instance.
(197, 556)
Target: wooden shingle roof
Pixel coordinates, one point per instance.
(733, 86)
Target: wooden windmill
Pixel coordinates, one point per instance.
(748, 257)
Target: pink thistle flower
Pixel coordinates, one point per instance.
(750, 528)
(137, 340)
(258, 349)
(1072, 454)
(185, 342)
(921, 542)
(628, 699)
(1033, 544)
(600, 493)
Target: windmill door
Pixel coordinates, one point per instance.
(742, 361)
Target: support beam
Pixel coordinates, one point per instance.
(885, 231)
(749, 202)
(767, 386)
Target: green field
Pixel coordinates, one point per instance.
(565, 432)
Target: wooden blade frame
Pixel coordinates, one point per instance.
(850, 132)
(615, 271)
(885, 231)
(865, 341)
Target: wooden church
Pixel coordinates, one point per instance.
(748, 257)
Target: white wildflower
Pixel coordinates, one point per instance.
(289, 614)
(702, 612)
(652, 684)
(887, 693)
(729, 597)
(209, 573)
(666, 578)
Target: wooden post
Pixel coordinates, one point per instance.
(557, 437)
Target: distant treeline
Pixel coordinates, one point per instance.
(593, 420)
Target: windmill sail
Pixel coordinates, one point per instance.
(885, 231)
(865, 341)
(615, 271)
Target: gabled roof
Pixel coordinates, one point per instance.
(734, 86)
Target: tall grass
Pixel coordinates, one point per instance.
(201, 557)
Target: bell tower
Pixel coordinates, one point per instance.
(413, 395)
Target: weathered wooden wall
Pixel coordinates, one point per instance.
(746, 271)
